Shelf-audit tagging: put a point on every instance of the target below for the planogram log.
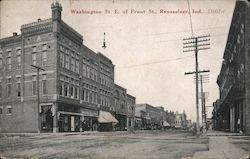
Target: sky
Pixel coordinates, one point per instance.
(146, 48)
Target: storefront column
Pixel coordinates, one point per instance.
(55, 118)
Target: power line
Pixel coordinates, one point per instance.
(170, 40)
(182, 31)
(190, 18)
(155, 62)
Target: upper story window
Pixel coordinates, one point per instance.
(61, 59)
(8, 63)
(8, 87)
(9, 54)
(33, 58)
(67, 61)
(44, 58)
(18, 52)
(61, 48)
(44, 85)
(1, 59)
(34, 85)
(1, 90)
(18, 86)
(9, 108)
(34, 49)
(44, 47)
(1, 109)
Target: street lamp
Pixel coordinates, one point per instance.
(38, 98)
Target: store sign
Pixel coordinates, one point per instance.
(88, 112)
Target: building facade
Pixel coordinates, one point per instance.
(124, 109)
(234, 77)
(75, 86)
(151, 117)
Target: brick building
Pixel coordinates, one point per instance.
(124, 108)
(152, 117)
(76, 88)
(234, 77)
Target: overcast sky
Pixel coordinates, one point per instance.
(146, 49)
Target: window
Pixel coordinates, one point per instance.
(8, 87)
(76, 93)
(77, 66)
(91, 73)
(44, 58)
(84, 70)
(1, 60)
(87, 96)
(88, 71)
(72, 63)
(1, 110)
(44, 85)
(34, 49)
(61, 48)
(1, 89)
(9, 63)
(71, 91)
(62, 59)
(95, 98)
(61, 88)
(65, 90)
(34, 85)
(83, 94)
(44, 47)
(18, 86)
(95, 75)
(67, 61)
(33, 58)
(9, 108)
(18, 62)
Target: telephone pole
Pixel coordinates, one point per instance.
(195, 44)
(38, 97)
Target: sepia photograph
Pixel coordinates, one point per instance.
(124, 79)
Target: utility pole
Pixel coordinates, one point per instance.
(196, 44)
(38, 97)
(203, 106)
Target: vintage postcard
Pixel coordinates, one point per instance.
(101, 79)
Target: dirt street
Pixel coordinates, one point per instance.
(140, 145)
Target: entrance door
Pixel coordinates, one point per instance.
(46, 118)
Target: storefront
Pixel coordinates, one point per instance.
(69, 122)
(46, 118)
(106, 121)
(122, 122)
(89, 120)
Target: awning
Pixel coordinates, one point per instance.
(106, 117)
(165, 123)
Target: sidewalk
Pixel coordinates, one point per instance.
(221, 148)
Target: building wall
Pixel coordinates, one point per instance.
(46, 43)
(246, 108)
(233, 78)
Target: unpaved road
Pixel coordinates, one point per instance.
(141, 145)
